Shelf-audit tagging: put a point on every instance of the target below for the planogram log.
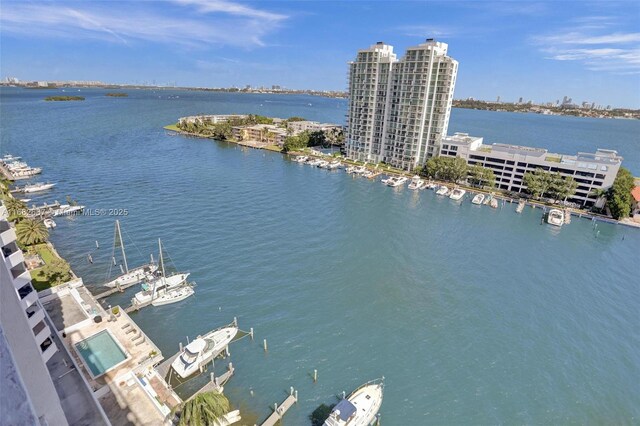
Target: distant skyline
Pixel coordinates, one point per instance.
(540, 51)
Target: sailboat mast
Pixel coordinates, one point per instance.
(124, 255)
(161, 261)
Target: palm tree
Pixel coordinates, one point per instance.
(599, 193)
(31, 231)
(204, 409)
(15, 207)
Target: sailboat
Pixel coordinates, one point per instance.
(128, 276)
(163, 290)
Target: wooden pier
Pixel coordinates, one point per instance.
(216, 384)
(280, 410)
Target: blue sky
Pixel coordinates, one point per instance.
(542, 51)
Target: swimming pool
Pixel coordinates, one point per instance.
(100, 353)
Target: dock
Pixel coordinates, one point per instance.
(115, 290)
(280, 410)
(216, 384)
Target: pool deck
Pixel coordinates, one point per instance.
(131, 392)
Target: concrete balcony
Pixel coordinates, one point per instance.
(29, 300)
(21, 280)
(14, 259)
(49, 352)
(37, 315)
(41, 332)
(7, 236)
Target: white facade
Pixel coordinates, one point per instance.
(25, 328)
(510, 162)
(399, 109)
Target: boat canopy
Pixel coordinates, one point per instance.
(195, 347)
(346, 409)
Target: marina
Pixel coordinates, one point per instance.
(233, 258)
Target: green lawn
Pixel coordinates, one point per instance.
(173, 127)
(39, 281)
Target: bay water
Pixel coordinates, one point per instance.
(473, 315)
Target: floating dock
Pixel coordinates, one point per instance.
(115, 290)
(280, 410)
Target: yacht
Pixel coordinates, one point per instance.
(443, 190)
(174, 295)
(478, 199)
(67, 210)
(334, 165)
(27, 172)
(398, 181)
(457, 194)
(8, 158)
(360, 170)
(416, 183)
(49, 223)
(202, 350)
(494, 203)
(350, 169)
(313, 161)
(36, 187)
(555, 217)
(360, 408)
(129, 276)
(387, 180)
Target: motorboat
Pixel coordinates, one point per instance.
(478, 199)
(334, 165)
(49, 223)
(416, 183)
(487, 199)
(398, 181)
(202, 350)
(67, 210)
(360, 170)
(313, 161)
(443, 190)
(26, 172)
(360, 408)
(36, 187)
(8, 158)
(350, 169)
(555, 217)
(300, 158)
(521, 205)
(457, 194)
(494, 203)
(322, 164)
(432, 185)
(371, 174)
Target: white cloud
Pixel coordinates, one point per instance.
(219, 22)
(426, 31)
(591, 43)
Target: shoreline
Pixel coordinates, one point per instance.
(580, 213)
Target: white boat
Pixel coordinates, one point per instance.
(173, 295)
(416, 183)
(360, 408)
(443, 190)
(129, 276)
(334, 165)
(350, 169)
(322, 164)
(360, 170)
(67, 209)
(202, 350)
(161, 290)
(49, 223)
(494, 203)
(9, 158)
(521, 205)
(25, 200)
(36, 187)
(300, 158)
(555, 217)
(478, 199)
(398, 181)
(432, 185)
(457, 194)
(313, 161)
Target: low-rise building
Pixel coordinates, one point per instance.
(310, 126)
(268, 134)
(635, 209)
(510, 162)
(213, 119)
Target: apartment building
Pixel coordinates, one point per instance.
(26, 330)
(399, 109)
(510, 162)
(310, 126)
(269, 134)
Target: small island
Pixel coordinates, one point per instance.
(117, 95)
(64, 98)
